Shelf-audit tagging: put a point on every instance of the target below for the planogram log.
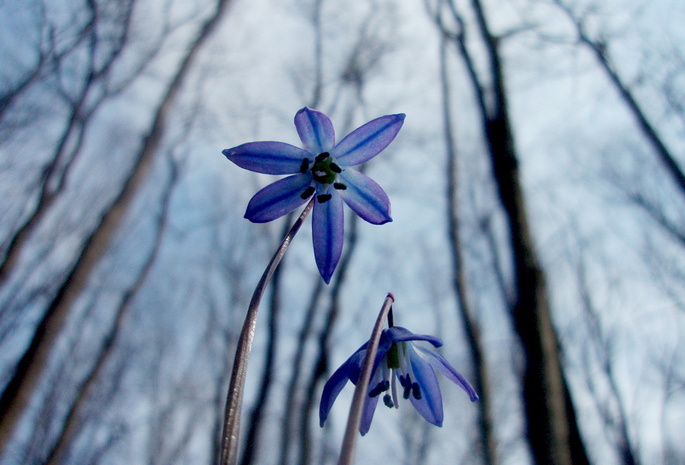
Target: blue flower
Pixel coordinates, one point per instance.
(414, 367)
(322, 168)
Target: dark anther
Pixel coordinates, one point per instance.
(380, 387)
(324, 198)
(322, 156)
(416, 391)
(304, 166)
(340, 186)
(407, 385)
(407, 392)
(387, 400)
(307, 192)
(335, 168)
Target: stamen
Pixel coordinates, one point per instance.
(382, 386)
(322, 156)
(407, 385)
(416, 391)
(324, 198)
(407, 393)
(388, 401)
(394, 391)
(304, 166)
(307, 192)
(335, 168)
(340, 186)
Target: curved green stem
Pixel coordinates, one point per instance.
(234, 401)
(354, 418)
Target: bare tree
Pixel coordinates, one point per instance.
(467, 313)
(29, 369)
(552, 430)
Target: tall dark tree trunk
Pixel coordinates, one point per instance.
(466, 313)
(30, 369)
(550, 419)
(551, 425)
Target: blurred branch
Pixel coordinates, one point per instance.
(617, 421)
(600, 52)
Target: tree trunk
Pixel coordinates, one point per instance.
(466, 313)
(552, 431)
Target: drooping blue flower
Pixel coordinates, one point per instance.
(414, 368)
(322, 168)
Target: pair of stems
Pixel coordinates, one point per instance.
(231, 427)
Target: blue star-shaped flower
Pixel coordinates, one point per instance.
(414, 368)
(322, 168)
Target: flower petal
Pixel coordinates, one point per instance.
(400, 334)
(278, 198)
(369, 405)
(332, 388)
(430, 403)
(355, 362)
(368, 140)
(327, 234)
(366, 198)
(268, 157)
(439, 363)
(315, 130)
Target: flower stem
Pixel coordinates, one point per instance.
(354, 418)
(234, 401)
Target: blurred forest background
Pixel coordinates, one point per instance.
(538, 194)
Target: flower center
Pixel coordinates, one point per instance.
(393, 357)
(324, 170)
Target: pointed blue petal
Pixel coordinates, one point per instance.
(278, 198)
(430, 404)
(367, 413)
(367, 141)
(315, 130)
(369, 407)
(268, 157)
(332, 388)
(400, 334)
(439, 363)
(355, 369)
(327, 234)
(355, 362)
(366, 198)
